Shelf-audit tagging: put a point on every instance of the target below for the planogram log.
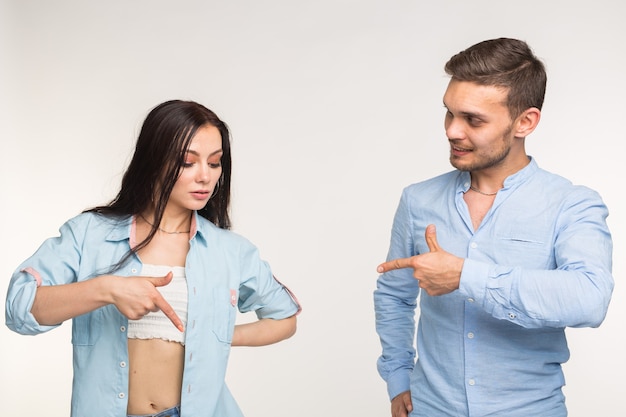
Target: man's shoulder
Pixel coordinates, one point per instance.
(437, 184)
(553, 183)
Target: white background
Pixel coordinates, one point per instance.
(334, 106)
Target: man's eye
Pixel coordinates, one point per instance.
(474, 121)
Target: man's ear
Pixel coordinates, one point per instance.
(527, 122)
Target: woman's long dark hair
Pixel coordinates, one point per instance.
(157, 162)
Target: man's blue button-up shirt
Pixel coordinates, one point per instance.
(539, 261)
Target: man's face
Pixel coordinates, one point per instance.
(478, 125)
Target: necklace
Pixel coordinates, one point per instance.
(163, 230)
(480, 192)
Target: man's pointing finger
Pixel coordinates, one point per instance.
(394, 264)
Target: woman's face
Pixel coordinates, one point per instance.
(200, 173)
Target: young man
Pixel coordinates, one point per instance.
(517, 255)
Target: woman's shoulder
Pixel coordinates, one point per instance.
(96, 222)
(210, 231)
(95, 218)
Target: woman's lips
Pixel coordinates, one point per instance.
(200, 195)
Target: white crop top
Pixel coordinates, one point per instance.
(156, 325)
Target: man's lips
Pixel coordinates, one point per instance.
(459, 150)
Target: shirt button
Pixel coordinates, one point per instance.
(512, 316)
(471, 382)
(122, 364)
(473, 245)
(470, 335)
(122, 329)
(121, 395)
(471, 300)
(134, 270)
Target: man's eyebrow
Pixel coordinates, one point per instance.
(471, 114)
(467, 113)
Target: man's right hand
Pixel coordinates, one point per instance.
(401, 405)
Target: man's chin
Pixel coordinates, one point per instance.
(458, 165)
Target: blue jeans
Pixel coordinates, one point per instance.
(170, 412)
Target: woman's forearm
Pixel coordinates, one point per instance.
(56, 303)
(264, 332)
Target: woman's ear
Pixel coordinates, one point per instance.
(527, 122)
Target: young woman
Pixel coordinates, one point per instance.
(152, 280)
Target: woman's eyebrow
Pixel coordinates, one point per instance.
(191, 151)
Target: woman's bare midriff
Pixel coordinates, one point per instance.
(155, 375)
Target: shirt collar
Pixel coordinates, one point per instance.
(126, 229)
(201, 228)
(522, 175)
(512, 181)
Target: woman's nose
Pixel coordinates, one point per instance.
(204, 174)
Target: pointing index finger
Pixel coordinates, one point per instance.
(168, 310)
(394, 264)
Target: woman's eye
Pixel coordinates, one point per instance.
(215, 165)
(187, 164)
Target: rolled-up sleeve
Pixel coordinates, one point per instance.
(54, 263)
(260, 291)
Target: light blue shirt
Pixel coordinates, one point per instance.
(224, 272)
(539, 261)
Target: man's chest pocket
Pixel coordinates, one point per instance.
(519, 245)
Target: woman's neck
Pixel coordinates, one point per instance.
(169, 224)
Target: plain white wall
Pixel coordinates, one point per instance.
(335, 106)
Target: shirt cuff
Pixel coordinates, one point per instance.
(398, 382)
(474, 276)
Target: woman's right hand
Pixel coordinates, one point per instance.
(135, 297)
